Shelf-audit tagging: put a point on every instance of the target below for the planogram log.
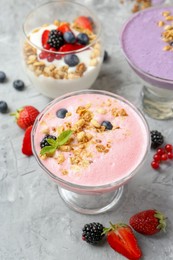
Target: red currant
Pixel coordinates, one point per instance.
(50, 57)
(170, 155)
(168, 147)
(58, 56)
(155, 165)
(43, 55)
(157, 157)
(164, 157)
(160, 151)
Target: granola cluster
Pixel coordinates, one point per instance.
(167, 34)
(87, 133)
(139, 5)
(39, 67)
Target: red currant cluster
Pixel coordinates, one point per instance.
(162, 154)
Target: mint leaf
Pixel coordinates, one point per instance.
(48, 150)
(63, 137)
(52, 142)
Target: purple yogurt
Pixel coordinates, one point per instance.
(142, 45)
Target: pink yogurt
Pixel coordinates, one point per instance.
(128, 141)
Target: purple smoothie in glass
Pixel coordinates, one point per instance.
(142, 43)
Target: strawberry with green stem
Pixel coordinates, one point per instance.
(148, 222)
(121, 238)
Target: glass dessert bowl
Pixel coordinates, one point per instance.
(149, 53)
(85, 142)
(62, 49)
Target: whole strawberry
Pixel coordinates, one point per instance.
(148, 222)
(25, 116)
(122, 239)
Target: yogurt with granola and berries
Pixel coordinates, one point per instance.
(108, 141)
(63, 57)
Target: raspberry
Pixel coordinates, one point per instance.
(157, 139)
(92, 233)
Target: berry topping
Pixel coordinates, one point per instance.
(83, 38)
(3, 107)
(18, 84)
(157, 139)
(70, 47)
(56, 39)
(107, 125)
(44, 142)
(50, 57)
(84, 22)
(71, 60)
(64, 28)
(26, 146)
(106, 56)
(92, 233)
(61, 113)
(44, 39)
(69, 37)
(25, 116)
(2, 76)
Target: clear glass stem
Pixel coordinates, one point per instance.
(91, 204)
(157, 103)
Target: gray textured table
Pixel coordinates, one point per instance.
(35, 224)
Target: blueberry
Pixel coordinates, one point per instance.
(3, 107)
(69, 37)
(107, 125)
(71, 60)
(18, 84)
(106, 56)
(83, 38)
(61, 113)
(171, 44)
(2, 76)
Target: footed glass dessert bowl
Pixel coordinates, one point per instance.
(90, 143)
(147, 43)
(62, 49)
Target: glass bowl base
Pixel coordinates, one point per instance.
(91, 204)
(158, 105)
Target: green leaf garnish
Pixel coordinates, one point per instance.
(64, 137)
(55, 144)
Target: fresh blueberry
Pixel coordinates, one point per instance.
(71, 60)
(18, 84)
(2, 76)
(106, 56)
(3, 107)
(107, 125)
(69, 37)
(61, 113)
(171, 44)
(83, 38)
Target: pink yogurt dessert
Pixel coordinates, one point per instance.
(109, 139)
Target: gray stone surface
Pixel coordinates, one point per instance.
(35, 224)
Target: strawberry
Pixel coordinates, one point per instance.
(121, 238)
(148, 222)
(44, 39)
(26, 146)
(70, 47)
(64, 28)
(83, 22)
(25, 116)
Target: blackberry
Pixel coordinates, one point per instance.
(157, 139)
(56, 39)
(44, 142)
(92, 233)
